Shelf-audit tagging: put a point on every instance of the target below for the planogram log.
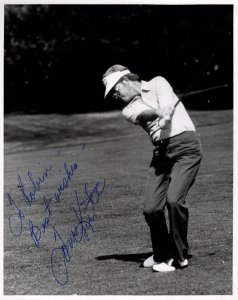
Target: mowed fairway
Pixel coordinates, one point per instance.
(107, 261)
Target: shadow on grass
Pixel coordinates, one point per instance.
(139, 257)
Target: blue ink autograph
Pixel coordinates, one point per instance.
(36, 231)
(15, 219)
(78, 231)
(36, 185)
(84, 213)
(65, 182)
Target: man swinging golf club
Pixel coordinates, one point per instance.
(175, 162)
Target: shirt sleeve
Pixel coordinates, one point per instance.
(132, 110)
(164, 92)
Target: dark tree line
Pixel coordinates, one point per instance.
(55, 54)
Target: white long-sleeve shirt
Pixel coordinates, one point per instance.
(155, 94)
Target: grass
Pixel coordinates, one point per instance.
(107, 147)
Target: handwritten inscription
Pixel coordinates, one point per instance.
(30, 197)
(83, 213)
(65, 182)
(15, 219)
(37, 231)
(78, 231)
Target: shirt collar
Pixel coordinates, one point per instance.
(145, 86)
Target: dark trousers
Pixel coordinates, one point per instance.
(172, 172)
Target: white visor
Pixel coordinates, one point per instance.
(110, 80)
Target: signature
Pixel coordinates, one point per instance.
(83, 214)
(78, 231)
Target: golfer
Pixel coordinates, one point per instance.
(175, 162)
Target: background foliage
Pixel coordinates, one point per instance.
(55, 55)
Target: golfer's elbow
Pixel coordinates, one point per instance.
(146, 116)
(141, 119)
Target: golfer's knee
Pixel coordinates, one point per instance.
(152, 209)
(152, 212)
(152, 217)
(177, 207)
(175, 201)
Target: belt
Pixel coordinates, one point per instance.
(166, 141)
(161, 142)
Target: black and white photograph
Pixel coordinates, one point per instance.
(118, 149)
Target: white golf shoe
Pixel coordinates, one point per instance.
(163, 267)
(183, 264)
(170, 262)
(149, 262)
